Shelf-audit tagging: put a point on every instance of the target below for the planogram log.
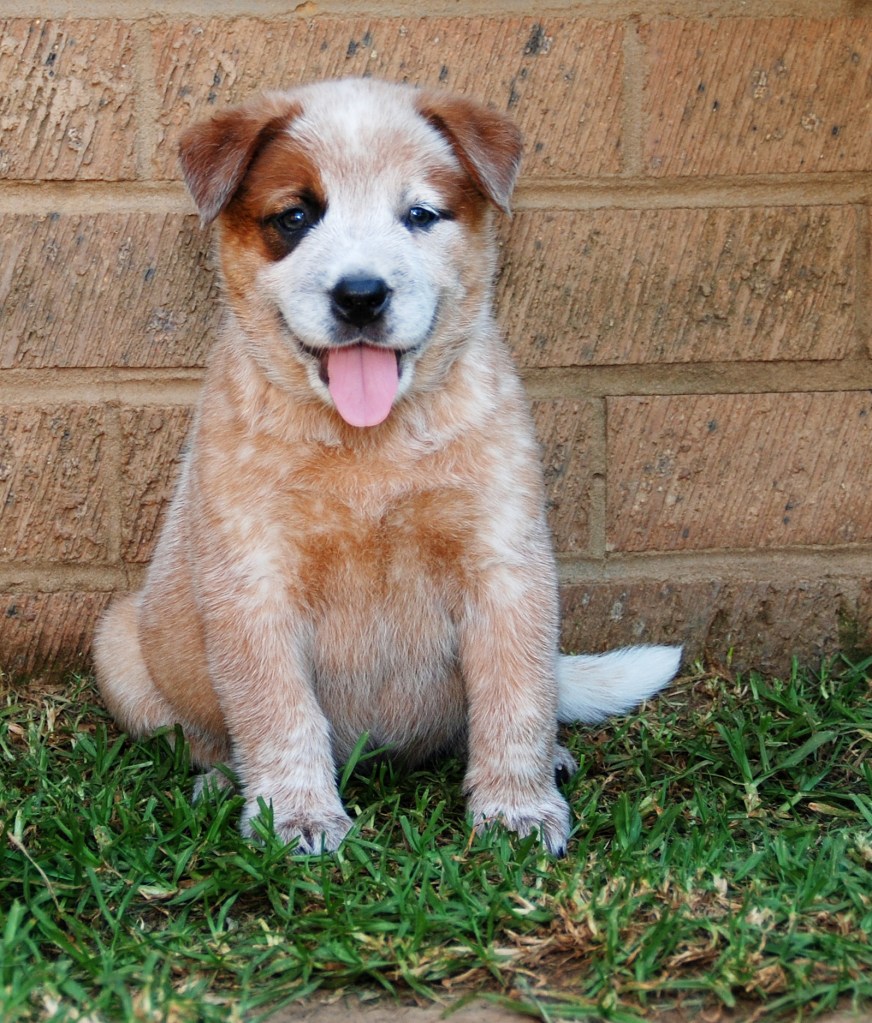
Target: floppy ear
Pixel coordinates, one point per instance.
(216, 154)
(487, 143)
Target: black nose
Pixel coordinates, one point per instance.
(360, 300)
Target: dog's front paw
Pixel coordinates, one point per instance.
(312, 832)
(548, 815)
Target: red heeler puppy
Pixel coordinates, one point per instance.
(357, 543)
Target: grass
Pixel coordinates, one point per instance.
(721, 856)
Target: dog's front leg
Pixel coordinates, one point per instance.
(260, 659)
(508, 658)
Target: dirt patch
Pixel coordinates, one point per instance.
(385, 1011)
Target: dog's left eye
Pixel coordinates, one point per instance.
(421, 217)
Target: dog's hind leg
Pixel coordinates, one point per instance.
(125, 684)
(127, 688)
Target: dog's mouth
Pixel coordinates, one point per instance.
(362, 379)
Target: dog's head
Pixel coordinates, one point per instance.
(355, 221)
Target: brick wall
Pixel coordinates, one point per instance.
(686, 286)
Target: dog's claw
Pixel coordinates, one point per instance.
(312, 833)
(314, 836)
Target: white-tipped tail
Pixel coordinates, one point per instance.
(593, 686)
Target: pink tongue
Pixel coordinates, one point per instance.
(363, 383)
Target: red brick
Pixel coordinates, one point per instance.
(763, 623)
(679, 285)
(52, 491)
(47, 633)
(67, 106)
(571, 442)
(109, 289)
(560, 77)
(152, 439)
(690, 472)
(746, 96)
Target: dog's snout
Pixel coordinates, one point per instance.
(360, 300)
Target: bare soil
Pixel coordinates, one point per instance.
(350, 1009)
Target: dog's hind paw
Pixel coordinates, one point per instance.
(211, 783)
(547, 815)
(565, 764)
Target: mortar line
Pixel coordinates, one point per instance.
(599, 460)
(41, 577)
(145, 104)
(830, 563)
(110, 476)
(81, 197)
(689, 193)
(633, 106)
(729, 563)
(182, 387)
(280, 10)
(863, 267)
(781, 377)
(628, 193)
(88, 385)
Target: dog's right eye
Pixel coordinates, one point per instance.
(283, 231)
(293, 220)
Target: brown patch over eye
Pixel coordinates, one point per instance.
(281, 198)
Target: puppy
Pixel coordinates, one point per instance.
(358, 543)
